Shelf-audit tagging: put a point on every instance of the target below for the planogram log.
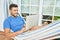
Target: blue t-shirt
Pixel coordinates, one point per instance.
(14, 23)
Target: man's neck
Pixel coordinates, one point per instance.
(13, 16)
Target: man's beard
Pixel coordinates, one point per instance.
(15, 15)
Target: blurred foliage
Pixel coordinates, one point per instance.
(56, 17)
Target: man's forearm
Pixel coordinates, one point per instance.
(13, 34)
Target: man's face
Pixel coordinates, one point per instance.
(14, 11)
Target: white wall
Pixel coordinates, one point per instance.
(1, 14)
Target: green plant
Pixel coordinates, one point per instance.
(56, 17)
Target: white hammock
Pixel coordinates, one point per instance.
(50, 30)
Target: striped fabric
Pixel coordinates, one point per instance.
(50, 30)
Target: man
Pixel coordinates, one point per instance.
(14, 23)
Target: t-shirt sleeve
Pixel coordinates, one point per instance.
(6, 24)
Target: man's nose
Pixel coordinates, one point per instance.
(16, 11)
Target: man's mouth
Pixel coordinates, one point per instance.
(16, 13)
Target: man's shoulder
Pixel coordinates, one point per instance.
(8, 18)
(19, 17)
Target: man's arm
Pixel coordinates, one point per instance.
(24, 26)
(13, 34)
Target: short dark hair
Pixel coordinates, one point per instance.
(13, 5)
